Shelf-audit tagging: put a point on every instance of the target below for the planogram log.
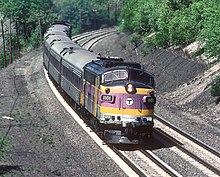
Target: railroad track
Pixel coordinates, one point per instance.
(144, 161)
(202, 156)
(190, 137)
(89, 39)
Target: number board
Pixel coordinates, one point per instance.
(107, 98)
(151, 100)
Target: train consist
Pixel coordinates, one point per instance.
(116, 97)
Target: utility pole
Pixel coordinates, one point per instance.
(108, 10)
(116, 13)
(41, 37)
(94, 18)
(80, 20)
(10, 40)
(17, 37)
(3, 43)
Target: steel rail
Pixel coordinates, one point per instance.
(97, 40)
(97, 36)
(127, 161)
(188, 136)
(185, 150)
(169, 170)
(78, 38)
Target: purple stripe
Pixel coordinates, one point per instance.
(127, 101)
(121, 100)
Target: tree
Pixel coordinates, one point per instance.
(210, 34)
(84, 15)
(175, 22)
(28, 13)
(184, 27)
(127, 15)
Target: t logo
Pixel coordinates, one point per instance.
(129, 101)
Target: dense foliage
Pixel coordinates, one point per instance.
(87, 15)
(28, 13)
(34, 16)
(165, 23)
(26, 16)
(175, 22)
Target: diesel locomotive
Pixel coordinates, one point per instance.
(116, 97)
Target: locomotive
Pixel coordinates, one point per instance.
(116, 97)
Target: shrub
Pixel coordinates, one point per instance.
(135, 39)
(35, 38)
(215, 87)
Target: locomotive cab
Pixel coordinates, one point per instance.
(125, 102)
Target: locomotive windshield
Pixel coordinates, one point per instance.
(132, 75)
(115, 75)
(142, 77)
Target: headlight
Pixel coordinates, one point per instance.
(130, 88)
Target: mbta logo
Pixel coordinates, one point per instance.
(129, 101)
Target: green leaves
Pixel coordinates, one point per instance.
(183, 28)
(210, 34)
(28, 14)
(176, 22)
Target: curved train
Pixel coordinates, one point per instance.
(116, 97)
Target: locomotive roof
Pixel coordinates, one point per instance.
(105, 64)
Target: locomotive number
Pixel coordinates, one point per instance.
(106, 97)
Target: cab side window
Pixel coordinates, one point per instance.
(89, 77)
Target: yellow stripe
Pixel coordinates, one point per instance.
(121, 89)
(135, 112)
(95, 96)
